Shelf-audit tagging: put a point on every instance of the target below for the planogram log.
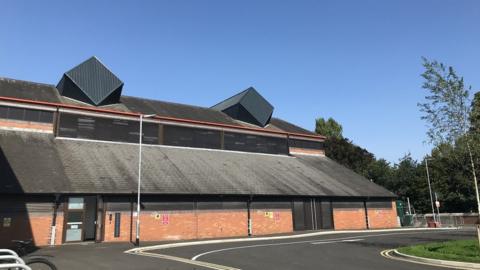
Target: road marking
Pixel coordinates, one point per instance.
(386, 254)
(331, 242)
(306, 242)
(283, 237)
(193, 261)
(187, 261)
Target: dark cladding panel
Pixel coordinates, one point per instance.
(106, 129)
(348, 204)
(16, 113)
(306, 144)
(379, 204)
(248, 106)
(91, 82)
(271, 204)
(3, 112)
(255, 143)
(25, 114)
(221, 205)
(191, 137)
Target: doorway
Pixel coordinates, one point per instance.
(312, 214)
(80, 219)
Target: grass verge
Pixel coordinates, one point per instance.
(460, 250)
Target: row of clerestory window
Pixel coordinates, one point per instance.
(72, 125)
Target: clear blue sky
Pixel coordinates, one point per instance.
(356, 61)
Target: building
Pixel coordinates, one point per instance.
(69, 167)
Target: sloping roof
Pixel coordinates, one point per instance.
(176, 110)
(28, 90)
(48, 93)
(248, 106)
(288, 127)
(39, 163)
(93, 80)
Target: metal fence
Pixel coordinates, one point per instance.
(445, 220)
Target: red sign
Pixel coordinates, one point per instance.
(165, 219)
(276, 216)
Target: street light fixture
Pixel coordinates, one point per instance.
(140, 136)
(430, 189)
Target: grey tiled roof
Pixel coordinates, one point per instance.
(28, 90)
(48, 93)
(39, 163)
(176, 110)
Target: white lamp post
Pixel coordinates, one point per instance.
(140, 136)
(430, 189)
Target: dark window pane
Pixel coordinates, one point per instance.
(32, 115)
(255, 143)
(106, 129)
(75, 216)
(191, 137)
(16, 113)
(306, 144)
(46, 117)
(3, 112)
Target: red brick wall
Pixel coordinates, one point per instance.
(383, 218)
(36, 226)
(349, 219)
(222, 223)
(271, 221)
(178, 225)
(26, 125)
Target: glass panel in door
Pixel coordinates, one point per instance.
(74, 223)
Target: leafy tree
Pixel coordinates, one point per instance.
(447, 112)
(380, 172)
(446, 107)
(475, 115)
(348, 154)
(329, 128)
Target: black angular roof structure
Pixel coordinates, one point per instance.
(247, 106)
(91, 82)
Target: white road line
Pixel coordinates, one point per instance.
(308, 241)
(386, 254)
(187, 261)
(331, 242)
(283, 237)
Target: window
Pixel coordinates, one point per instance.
(24, 114)
(305, 144)
(191, 137)
(106, 129)
(255, 143)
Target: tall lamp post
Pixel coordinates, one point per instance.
(430, 189)
(140, 136)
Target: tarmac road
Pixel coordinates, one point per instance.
(337, 252)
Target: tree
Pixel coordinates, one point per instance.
(329, 128)
(446, 110)
(349, 155)
(380, 172)
(475, 115)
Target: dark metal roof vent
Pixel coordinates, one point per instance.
(248, 106)
(91, 82)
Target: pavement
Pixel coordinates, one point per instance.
(334, 251)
